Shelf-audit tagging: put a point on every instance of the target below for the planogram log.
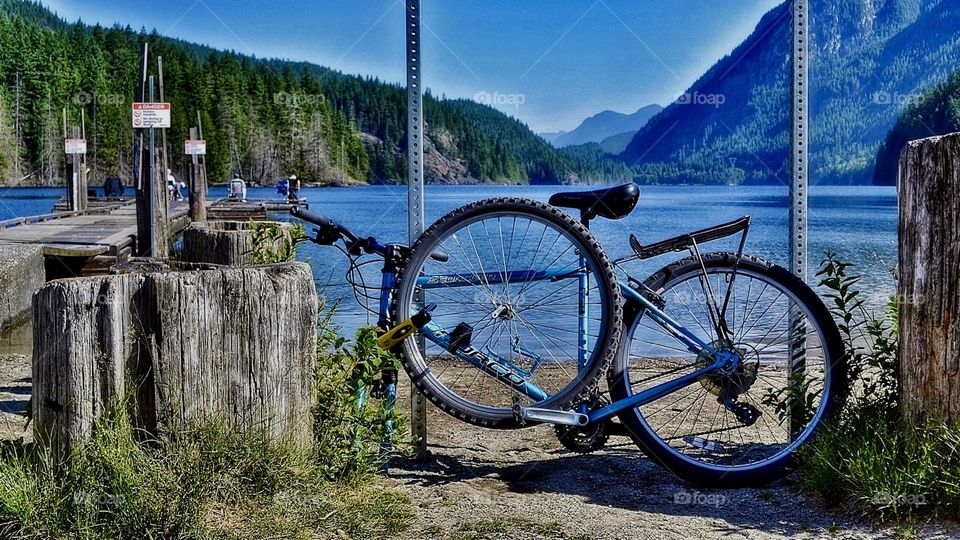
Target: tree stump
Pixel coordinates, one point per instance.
(929, 287)
(236, 345)
(229, 243)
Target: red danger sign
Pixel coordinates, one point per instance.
(195, 148)
(75, 146)
(151, 115)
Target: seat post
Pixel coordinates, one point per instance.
(585, 217)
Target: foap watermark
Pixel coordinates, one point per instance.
(888, 499)
(288, 99)
(697, 98)
(96, 500)
(499, 99)
(490, 298)
(84, 98)
(696, 498)
(894, 98)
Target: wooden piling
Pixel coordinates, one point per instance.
(144, 191)
(235, 345)
(929, 286)
(198, 187)
(222, 242)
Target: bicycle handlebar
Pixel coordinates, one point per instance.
(323, 222)
(317, 219)
(329, 226)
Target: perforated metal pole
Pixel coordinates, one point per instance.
(799, 183)
(418, 404)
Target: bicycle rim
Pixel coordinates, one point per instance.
(697, 425)
(509, 292)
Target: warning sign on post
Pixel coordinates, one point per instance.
(195, 148)
(151, 115)
(75, 146)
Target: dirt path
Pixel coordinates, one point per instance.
(483, 484)
(505, 485)
(15, 379)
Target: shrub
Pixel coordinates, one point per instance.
(275, 243)
(211, 481)
(350, 432)
(867, 457)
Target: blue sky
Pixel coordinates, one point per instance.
(550, 63)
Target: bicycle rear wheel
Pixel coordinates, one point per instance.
(741, 427)
(508, 321)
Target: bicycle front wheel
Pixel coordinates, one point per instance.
(527, 308)
(740, 426)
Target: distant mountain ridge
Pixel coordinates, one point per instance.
(870, 58)
(602, 126)
(935, 113)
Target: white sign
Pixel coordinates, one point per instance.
(195, 148)
(75, 146)
(151, 115)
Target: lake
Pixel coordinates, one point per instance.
(859, 223)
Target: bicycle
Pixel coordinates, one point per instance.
(720, 365)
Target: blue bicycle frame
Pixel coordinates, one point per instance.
(506, 372)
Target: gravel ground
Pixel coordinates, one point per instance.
(480, 483)
(484, 484)
(15, 377)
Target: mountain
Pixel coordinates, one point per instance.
(602, 126)
(618, 143)
(869, 59)
(937, 112)
(551, 136)
(263, 118)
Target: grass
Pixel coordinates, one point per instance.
(208, 481)
(869, 458)
(498, 527)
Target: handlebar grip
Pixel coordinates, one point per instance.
(317, 219)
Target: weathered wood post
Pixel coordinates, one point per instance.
(143, 187)
(80, 175)
(929, 288)
(228, 243)
(198, 186)
(236, 345)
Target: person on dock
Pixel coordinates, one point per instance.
(238, 188)
(283, 188)
(293, 189)
(113, 187)
(174, 187)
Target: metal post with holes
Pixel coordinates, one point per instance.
(800, 171)
(418, 403)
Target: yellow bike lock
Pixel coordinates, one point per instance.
(402, 331)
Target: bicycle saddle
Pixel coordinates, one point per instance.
(610, 203)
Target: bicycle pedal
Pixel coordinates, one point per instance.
(552, 416)
(460, 337)
(746, 413)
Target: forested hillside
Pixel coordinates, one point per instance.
(936, 113)
(870, 58)
(264, 118)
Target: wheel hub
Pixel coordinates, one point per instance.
(736, 374)
(504, 312)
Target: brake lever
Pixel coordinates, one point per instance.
(325, 236)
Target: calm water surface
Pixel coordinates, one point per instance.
(859, 223)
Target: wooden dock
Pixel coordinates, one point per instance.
(108, 230)
(256, 209)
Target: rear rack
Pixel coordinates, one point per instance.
(682, 242)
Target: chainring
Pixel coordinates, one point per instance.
(587, 439)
